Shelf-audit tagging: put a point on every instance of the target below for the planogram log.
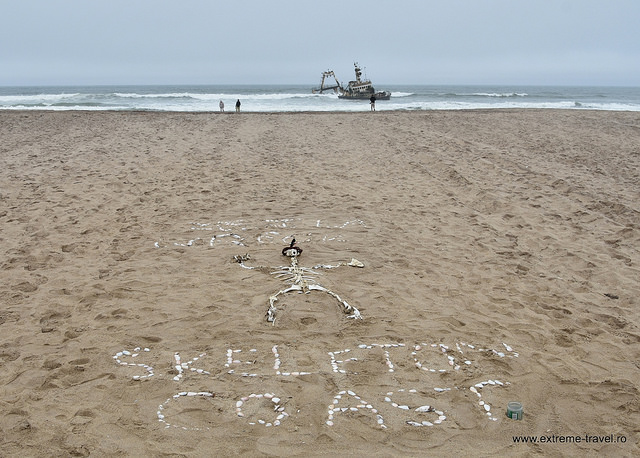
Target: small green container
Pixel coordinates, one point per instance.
(514, 410)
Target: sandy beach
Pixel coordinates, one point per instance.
(501, 263)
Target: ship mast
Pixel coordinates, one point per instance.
(358, 72)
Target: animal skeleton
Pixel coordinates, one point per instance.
(302, 279)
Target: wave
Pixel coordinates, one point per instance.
(300, 98)
(483, 94)
(499, 94)
(68, 107)
(133, 95)
(35, 98)
(347, 107)
(562, 105)
(218, 96)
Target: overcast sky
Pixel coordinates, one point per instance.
(547, 42)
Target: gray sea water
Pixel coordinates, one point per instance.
(297, 98)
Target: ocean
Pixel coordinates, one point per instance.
(297, 98)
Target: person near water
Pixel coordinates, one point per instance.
(238, 106)
(221, 104)
(373, 102)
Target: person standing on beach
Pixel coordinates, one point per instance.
(373, 103)
(238, 106)
(221, 106)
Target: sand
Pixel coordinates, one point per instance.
(501, 263)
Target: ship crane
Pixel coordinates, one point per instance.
(328, 74)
